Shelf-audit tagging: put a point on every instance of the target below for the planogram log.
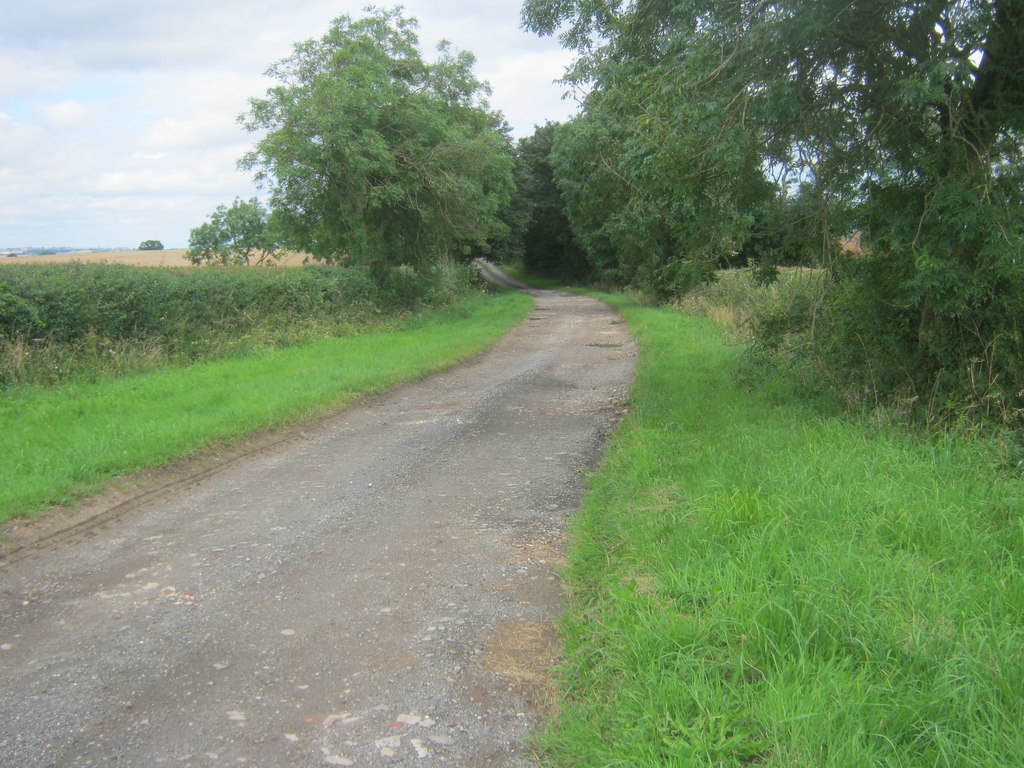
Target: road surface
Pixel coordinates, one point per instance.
(377, 589)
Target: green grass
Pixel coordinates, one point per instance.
(58, 444)
(755, 583)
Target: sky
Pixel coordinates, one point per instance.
(118, 118)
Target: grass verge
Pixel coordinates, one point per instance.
(59, 444)
(756, 583)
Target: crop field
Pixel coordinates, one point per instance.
(169, 257)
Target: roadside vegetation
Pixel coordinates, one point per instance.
(61, 443)
(64, 322)
(754, 581)
(881, 142)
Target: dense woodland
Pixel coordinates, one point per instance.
(712, 134)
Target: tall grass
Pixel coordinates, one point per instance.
(755, 583)
(57, 444)
(744, 308)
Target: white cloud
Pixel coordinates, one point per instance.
(118, 119)
(27, 73)
(66, 114)
(205, 129)
(525, 84)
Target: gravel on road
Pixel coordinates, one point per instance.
(376, 590)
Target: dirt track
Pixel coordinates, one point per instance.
(376, 592)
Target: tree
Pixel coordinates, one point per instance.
(548, 242)
(242, 234)
(593, 190)
(903, 119)
(151, 245)
(659, 183)
(372, 154)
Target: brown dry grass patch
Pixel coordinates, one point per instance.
(525, 654)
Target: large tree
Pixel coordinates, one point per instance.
(901, 119)
(372, 154)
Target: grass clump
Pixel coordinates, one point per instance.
(756, 583)
(743, 304)
(61, 443)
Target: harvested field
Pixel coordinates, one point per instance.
(169, 257)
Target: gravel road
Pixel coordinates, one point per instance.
(377, 589)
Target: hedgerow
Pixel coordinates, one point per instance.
(59, 321)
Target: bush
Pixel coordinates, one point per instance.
(849, 334)
(64, 302)
(151, 245)
(750, 309)
(775, 320)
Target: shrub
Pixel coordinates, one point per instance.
(849, 332)
(743, 304)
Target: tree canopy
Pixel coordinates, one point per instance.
(548, 242)
(372, 154)
(240, 234)
(900, 120)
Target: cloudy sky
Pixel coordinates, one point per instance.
(118, 118)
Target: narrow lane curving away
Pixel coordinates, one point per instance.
(378, 592)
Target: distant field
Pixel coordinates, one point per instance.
(170, 257)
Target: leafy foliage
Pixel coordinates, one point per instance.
(549, 246)
(241, 234)
(785, 230)
(658, 185)
(373, 155)
(61, 321)
(70, 301)
(151, 245)
(901, 119)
